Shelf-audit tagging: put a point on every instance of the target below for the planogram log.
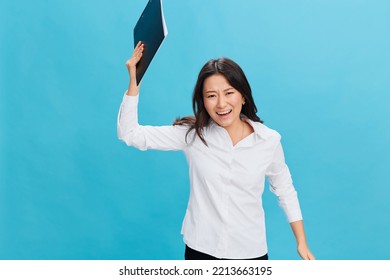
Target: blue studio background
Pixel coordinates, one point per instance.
(69, 189)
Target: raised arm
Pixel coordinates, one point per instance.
(144, 137)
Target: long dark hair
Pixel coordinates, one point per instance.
(236, 78)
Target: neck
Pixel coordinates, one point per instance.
(238, 132)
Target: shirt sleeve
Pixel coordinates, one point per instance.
(281, 185)
(147, 137)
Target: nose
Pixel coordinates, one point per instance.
(221, 103)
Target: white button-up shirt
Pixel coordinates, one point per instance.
(224, 217)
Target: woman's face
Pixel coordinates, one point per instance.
(222, 102)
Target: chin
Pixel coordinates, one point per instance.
(223, 123)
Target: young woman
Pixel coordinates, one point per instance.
(229, 153)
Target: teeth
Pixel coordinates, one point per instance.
(224, 113)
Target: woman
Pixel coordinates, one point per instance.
(230, 153)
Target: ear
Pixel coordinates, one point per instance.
(243, 100)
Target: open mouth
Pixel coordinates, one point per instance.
(224, 113)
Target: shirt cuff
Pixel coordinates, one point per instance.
(130, 98)
(129, 102)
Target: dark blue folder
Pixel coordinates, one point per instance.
(151, 31)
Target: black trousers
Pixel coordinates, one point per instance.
(191, 254)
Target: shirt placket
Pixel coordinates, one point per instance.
(223, 245)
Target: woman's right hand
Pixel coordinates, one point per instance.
(131, 67)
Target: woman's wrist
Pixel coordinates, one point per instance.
(132, 90)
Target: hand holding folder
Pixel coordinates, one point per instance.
(151, 30)
(131, 65)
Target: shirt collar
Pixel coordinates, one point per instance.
(260, 130)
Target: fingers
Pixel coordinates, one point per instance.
(136, 56)
(305, 253)
(138, 50)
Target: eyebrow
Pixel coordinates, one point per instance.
(210, 91)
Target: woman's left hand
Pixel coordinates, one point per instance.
(304, 252)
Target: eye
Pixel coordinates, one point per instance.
(210, 95)
(229, 92)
